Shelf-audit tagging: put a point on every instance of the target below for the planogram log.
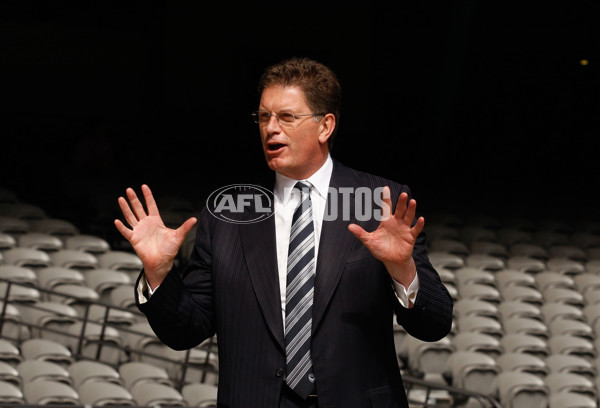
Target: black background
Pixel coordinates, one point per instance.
(479, 108)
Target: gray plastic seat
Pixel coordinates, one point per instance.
(468, 275)
(571, 400)
(565, 266)
(525, 264)
(105, 280)
(564, 295)
(200, 395)
(10, 374)
(592, 316)
(48, 320)
(509, 278)
(46, 350)
(553, 279)
(450, 246)
(147, 394)
(10, 394)
(77, 296)
(9, 353)
(523, 362)
(587, 281)
(13, 326)
(70, 258)
(494, 249)
(511, 235)
(519, 389)
(445, 260)
(479, 342)
(87, 243)
(525, 343)
(120, 261)
(485, 262)
(13, 226)
(522, 294)
(474, 307)
(24, 211)
(525, 325)
(83, 371)
(425, 357)
(115, 317)
(7, 241)
(479, 292)
(45, 392)
(18, 274)
(36, 370)
(575, 328)
(569, 382)
(53, 276)
(40, 241)
(104, 346)
(565, 363)
(122, 296)
(54, 226)
(528, 250)
(571, 345)
(101, 393)
(27, 257)
(567, 251)
(511, 309)
(133, 372)
(481, 324)
(556, 310)
(19, 294)
(471, 370)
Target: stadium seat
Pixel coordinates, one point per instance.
(200, 395)
(103, 281)
(24, 211)
(564, 295)
(509, 278)
(49, 320)
(493, 249)
(523, 362)
(442, 231)
(592, 317)
(528, 250)
(571, 252)
(18, 274)
(474, 307)
(467, 275)
(565, 363)
(101, 393)
(40, 241)
(27, 258)
(13, 226)
(45, 392)
(450, 246)
(571, 400)
(10, 374)
(84, 371)
(46, 350)
(72, 259)
(96, 343)
(479, 292)
(148, 394)
(526, 325)
(122, 296)
(569, 382)
(133, 372)
(77, 296)
(445, 260)
(7, 241)
(477, 233)
(586, 281)
(480, 324)
(10, 394)
(522, 294)
(525, 343)
(9, 353)
(575, 328)
(478, 342)
(143, 345)
(115, 317)
(556, 310)
(120, 261)
(521, 390)
(565, 266)
(525, 264)
(548, 238)
(36, 370)
(87, 243)
(511, 309)
(49, 278)
(473, 371)
(571, 345)
(509, 235)
(485, 262)
(54, 226)
(13, 326)
(551, 279)
(19, 293)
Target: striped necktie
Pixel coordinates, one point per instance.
(299, 297)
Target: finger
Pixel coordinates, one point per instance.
(401, 206)
(418, 228)
(186, 227)
(411, 211)
(359, 232)
(386, 209)
(150, 202)
(136, 204)
(126, 232)
(129, 217)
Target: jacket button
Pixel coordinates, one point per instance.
(279, 372)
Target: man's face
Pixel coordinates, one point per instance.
(296, 150)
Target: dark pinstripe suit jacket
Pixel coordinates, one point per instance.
(231, 287)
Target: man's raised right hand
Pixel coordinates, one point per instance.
(155, 244)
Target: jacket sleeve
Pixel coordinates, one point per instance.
(181, 310)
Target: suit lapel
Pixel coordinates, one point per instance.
(258, 242)
(334, 247)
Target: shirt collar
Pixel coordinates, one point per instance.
(319, 181)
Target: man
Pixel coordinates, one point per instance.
(302, 304)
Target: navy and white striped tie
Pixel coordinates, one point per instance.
(299, 297)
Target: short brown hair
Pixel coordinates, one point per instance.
(319, 83)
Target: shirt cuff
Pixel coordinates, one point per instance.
(405, 295)
(144, 288)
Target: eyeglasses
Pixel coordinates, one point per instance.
(284, 118)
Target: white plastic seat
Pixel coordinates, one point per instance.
(7, 241)
(148, 394)
(592, 317)
(87, 243)
(40, 241)
(564, 295)
(45, 392)
(105, 280)
(483, 343)
(480, 292)
(94, 344)
(586, 281)
(474, 307)
(53, 276)
(122, 296)
(143, 345)
(13, 326)
(120, 261)
(19, 294)
(569, 382)
(200, 395)
(467, 275)
(481, 324)
(445, 260)
(100, 393)
(83, 371)
(552, 279)
(548, 238)
(511, 309)
(572, 345)
(522, 294)
(115, 317)
(556, 310)
(77, 296)
(523, 362)
(10, 374)
(48, 320)
(70, 258)
(36, 370)
(9, 353)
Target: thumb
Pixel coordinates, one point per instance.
(358, 232)
(186, 227)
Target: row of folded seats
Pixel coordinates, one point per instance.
(526, 313)
(70, 332)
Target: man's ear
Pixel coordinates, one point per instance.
(326, 127)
